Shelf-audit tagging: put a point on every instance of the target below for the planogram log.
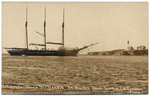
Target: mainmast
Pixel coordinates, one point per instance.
(63, 25)
(45, 29)
(26, 28)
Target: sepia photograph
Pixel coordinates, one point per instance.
(75, 48)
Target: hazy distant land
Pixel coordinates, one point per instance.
(121, 52)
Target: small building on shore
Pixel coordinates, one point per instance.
(141, 48)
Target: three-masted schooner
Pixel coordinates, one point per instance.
(61, 51)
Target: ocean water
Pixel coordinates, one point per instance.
(74, 75)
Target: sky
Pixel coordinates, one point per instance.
(110, 24)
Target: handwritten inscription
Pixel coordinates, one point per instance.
(128, 89)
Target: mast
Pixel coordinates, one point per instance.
(26, 28)
(45, 29)
(63, 25)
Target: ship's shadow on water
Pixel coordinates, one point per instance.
(74, 75)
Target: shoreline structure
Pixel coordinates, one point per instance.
(140, 50)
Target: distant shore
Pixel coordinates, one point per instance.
(121, 52)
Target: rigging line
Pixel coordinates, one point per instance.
(22, 42)
(65, 31)
(24, 38)
(78, 39)
(39, 27)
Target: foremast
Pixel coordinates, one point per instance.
(26, 25)
(63, 26)
(45, 29)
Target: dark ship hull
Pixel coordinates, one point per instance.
(60, 52)
(15, 52)
(51, 53)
